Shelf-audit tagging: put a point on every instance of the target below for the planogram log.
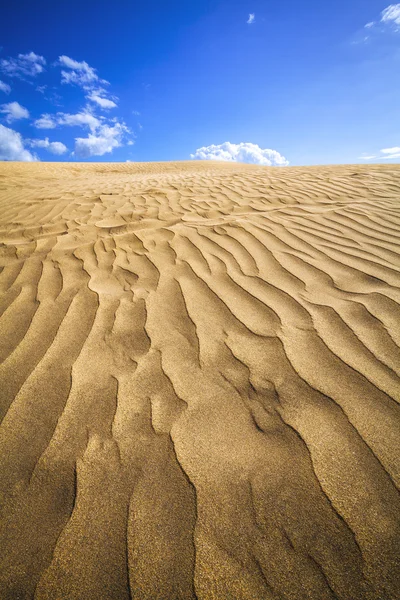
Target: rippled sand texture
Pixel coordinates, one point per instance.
(200, 382)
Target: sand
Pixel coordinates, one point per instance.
(199, 382)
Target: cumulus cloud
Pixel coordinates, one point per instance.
(102, 142)
(97, 96)
(244, 152)
(52, 147)
(46, 121)
(391, 14)
(105, 134)
(25, 65)
(367, 156)
(81, 119)
(251, 19)
(85, 76)
(4, 87)
(12, 146)
(14, 111)
(80, 73)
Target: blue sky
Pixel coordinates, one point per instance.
(267, 82)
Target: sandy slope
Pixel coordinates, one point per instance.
(200, 382)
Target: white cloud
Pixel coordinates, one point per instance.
(85, 76)
(394, 150)
(244, 152)
(391, 156)
(41, 88)
(81, 119)
(385, 153)
(53, 147)
(251, 19)
(29, 65)
(369, 25)
(103, 141)
(4, 87)
(14, 111)
(12, 146)
(46, 121)
(103, 137)
(136, 112)
(105, 134)
(96, 96)
(80, 73)
(81, 79)
(391, 14)
(130, 143)
(390, 153)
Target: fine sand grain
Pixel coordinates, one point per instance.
(199, 382)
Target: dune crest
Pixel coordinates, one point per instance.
(199, 381)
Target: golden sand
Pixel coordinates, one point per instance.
(199, 382)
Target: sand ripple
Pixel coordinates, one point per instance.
(199, 382)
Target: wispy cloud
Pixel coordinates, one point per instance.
(384, 154)
(25, 65)
(12, 146)
(86, 77)
(245, 152)
(4, 87)
(52, 147)
(251, 18)
(391, 14)
(97, 96)
(390, 153)
(80, 73)
(14, 111)
(396, 149)
(367, 156)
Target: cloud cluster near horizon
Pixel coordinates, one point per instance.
(52, 147)
(12, 146)
(244, 152)
(105, 132)
(385, 153)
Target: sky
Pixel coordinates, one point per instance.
(271, 83)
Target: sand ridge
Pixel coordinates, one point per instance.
(199, 386)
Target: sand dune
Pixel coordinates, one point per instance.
(199, 382)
